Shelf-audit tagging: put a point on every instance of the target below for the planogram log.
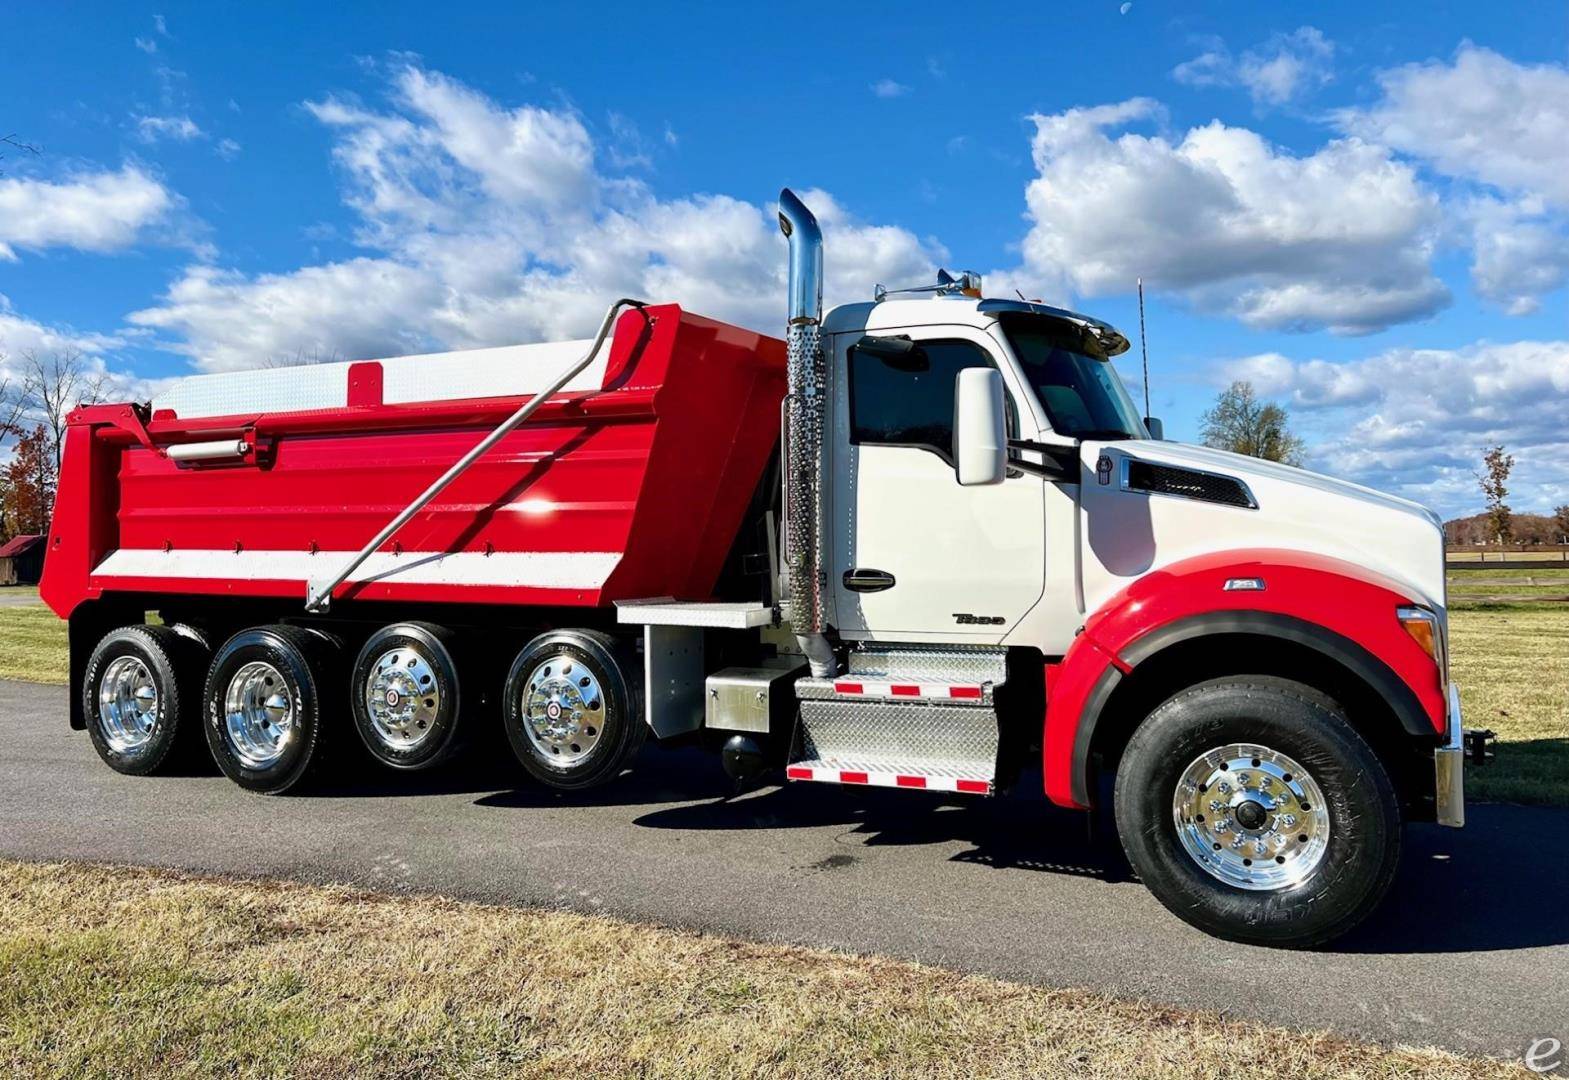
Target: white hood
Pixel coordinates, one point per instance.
(1128, 533)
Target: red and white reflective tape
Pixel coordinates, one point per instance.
(940, 691)
(873, 778)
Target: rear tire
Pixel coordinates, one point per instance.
(264, 697)
(141, 697)
(1253, 810)
(572, 715)
(404, 692)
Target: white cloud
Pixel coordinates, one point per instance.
(228, 149)
(1286, 68)
(20, 335)
(1482, 117)
(1413, 421)
(1519, 253)
(151, 129)
(888, 88)
(1501, 129)
(147, 45)
(101, 211)
(486, 225)
(1340, 239)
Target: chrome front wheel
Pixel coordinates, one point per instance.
(1251, 816)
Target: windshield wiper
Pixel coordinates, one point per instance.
(1104, 434)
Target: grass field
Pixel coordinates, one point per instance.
(117, 972)
(1511, 585)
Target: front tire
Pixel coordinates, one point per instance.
(1253, 809)
(572, 715)
(264, 700)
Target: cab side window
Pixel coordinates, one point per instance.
(910, 402)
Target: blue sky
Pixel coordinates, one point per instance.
(1362, 209)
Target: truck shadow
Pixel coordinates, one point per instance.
(1498, 884)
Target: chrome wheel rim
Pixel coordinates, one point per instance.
(563, 711)
(259, 714)
(403, 698)
(1252, 817)
(127, 705)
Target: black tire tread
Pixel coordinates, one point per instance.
(1326, 713)
(453, 742)
(634, 731)
(314, 648)
(177, 665)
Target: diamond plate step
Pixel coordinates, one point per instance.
(929, 663)
(849, 741)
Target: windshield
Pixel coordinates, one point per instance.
(1082, 396)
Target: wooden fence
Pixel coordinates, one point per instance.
(1477, 556)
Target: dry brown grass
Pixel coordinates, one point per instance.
(119, 972)
(1512, 665)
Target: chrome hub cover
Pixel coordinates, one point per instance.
(127, 705)
(259, 715)
(402, 697)
(563, 710)
(1252, 817)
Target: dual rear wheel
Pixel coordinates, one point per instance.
(571, 713)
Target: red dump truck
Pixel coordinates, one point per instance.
(925, 542)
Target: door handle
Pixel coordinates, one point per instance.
(865, 580)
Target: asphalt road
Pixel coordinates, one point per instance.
(1471, 952)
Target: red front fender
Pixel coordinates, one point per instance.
(1338, 609)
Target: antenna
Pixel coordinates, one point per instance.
(1143, 348)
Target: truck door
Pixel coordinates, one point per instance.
(916, 557)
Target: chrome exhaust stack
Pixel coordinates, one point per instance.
(803, 434)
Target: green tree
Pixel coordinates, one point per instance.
(1243, 424)
(1494, 481)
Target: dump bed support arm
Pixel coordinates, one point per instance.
(318, 591)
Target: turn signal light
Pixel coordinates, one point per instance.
(1422, 625)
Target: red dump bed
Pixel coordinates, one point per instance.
(635, 489)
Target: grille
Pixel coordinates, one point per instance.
(1188, 484)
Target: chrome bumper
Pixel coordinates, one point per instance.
(1449, 767)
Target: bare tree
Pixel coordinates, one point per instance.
(45, 390)
(1561, 523)
(17, 144)
(1494, 481)
(1241, 423)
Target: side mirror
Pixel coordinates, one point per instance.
(980, 427)
(1156, 429)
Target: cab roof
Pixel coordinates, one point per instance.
(871, 317)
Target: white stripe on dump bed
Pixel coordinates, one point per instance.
(536, 569)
